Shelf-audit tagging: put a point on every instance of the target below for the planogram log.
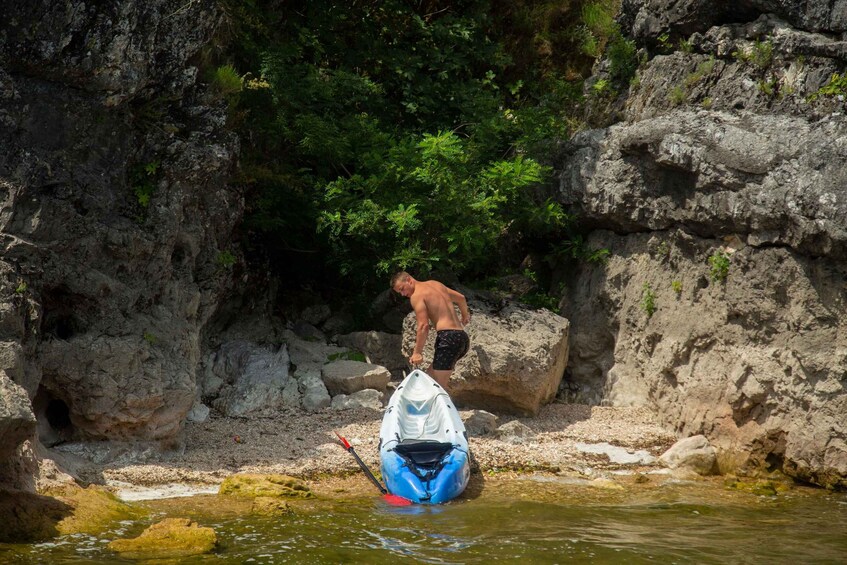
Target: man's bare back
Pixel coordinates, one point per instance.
(437, 303)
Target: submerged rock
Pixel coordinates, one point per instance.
(93, 509)
(273, 486)
(170, 538)
(267, 505)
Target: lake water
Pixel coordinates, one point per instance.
(525, 520)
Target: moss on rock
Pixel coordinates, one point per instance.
(93, 509)
(170, 538)
(272, 486)
(266, 505)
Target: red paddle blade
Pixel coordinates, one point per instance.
(343, 441)
(395, 500)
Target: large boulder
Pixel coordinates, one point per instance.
(380, 348)
(516, 359)
(347, 377)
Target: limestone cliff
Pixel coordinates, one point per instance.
(115, 212)
(722, 197)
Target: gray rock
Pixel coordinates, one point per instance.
(379, 348)
(310, 353)
(514, 432)
(480, 423)
(692, 453)
(316, 315)
(314, 394)
(367, 398)
(347, 377)
(256, 375)
(199, 413)
(308, 332)
(291, 394)
(338, 323)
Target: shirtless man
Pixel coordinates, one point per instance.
(433, 302)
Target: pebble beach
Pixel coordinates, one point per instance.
(589, 441)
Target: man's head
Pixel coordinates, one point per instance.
(403, 284)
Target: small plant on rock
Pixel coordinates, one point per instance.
(648, 300)
(719, 266)
(676, 286)
(225, 259)
(676, 96)
(143, 180)
(837, 86)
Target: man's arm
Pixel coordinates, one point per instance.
(459, 299)
(421, 332)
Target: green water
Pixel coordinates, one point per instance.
(522, 521)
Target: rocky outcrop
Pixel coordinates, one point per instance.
(722, 201)
(516, 359)
(115, 212)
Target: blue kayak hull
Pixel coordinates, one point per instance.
(446, 485)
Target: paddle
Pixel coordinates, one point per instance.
(386, 496)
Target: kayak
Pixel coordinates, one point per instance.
(423, 446)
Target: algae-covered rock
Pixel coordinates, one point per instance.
(71, 509)
(93, 509)
(173, 537)
(273, 486)
(268, 506)
(757, 487)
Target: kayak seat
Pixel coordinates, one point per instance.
(423, 453)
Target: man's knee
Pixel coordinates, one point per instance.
(442, 378)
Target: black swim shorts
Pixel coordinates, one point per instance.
(450, 346)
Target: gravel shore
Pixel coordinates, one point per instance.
(566, 439)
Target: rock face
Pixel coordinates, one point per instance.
(115, 211)
(516, 359)
(723, 201)
(253, 377)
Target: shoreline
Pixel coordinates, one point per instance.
(590, 442)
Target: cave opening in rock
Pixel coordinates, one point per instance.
(54, 418)
(61, 308)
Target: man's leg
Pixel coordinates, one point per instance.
(441, 377)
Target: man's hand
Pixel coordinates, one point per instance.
(416, 359)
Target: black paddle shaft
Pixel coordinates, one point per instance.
(367, 471)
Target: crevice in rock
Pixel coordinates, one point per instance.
(53, 417)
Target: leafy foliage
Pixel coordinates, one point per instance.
(836, 86)
(393, 134)
(719, 266)
(648, 300)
